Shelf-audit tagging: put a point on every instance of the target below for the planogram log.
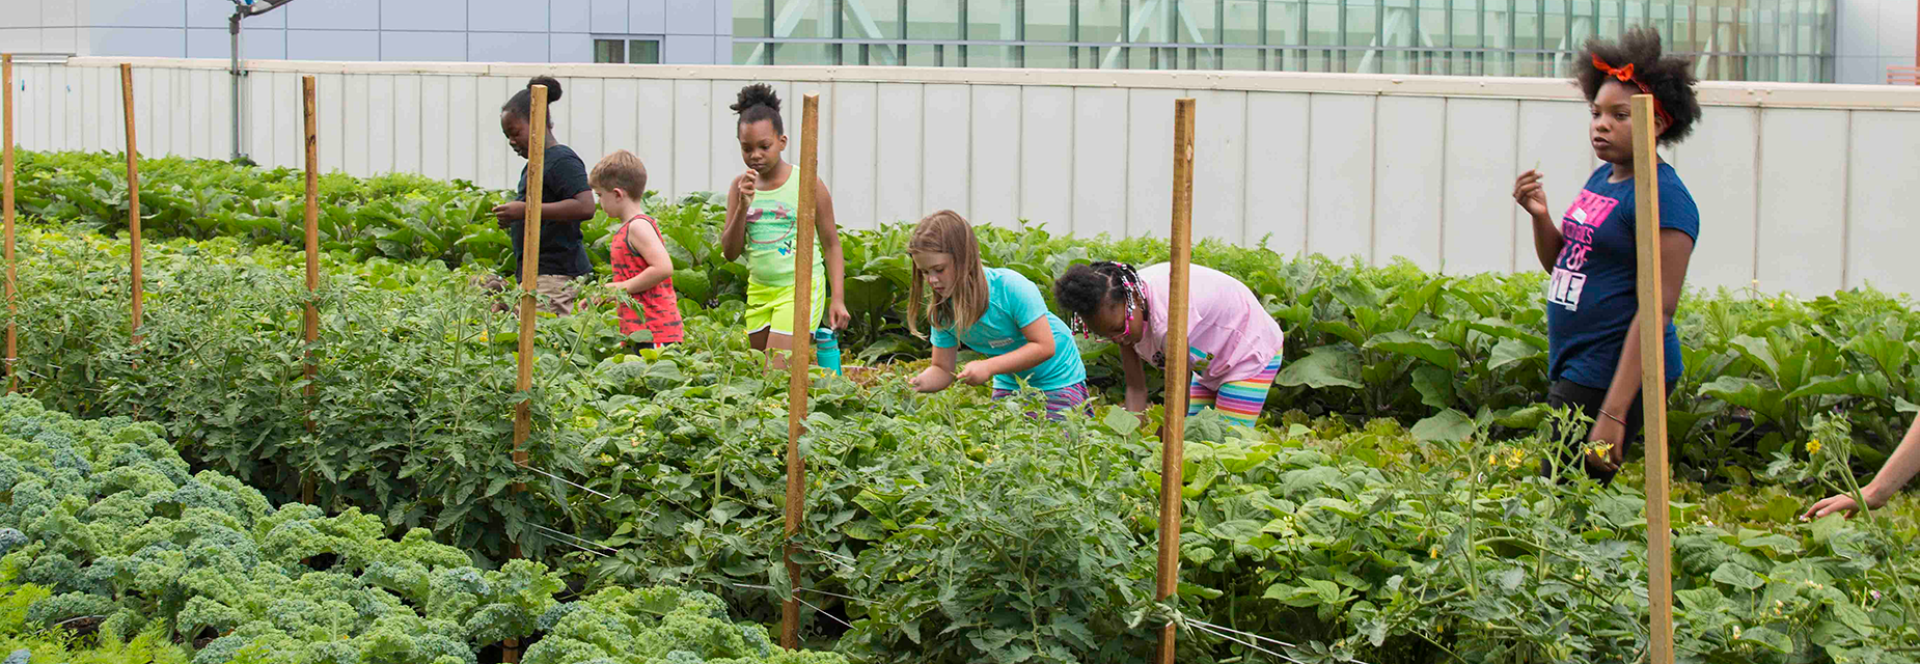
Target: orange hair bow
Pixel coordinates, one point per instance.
(1625, 74)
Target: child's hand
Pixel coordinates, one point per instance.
(975, 373)
(838, 316)
(508, 213)
(933, 379)
(746, 188)
(1528, 192)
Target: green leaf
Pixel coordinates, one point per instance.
(1121, 421)
(1448, 426)
(1854, 618)
(1323, 367)
(1511, 351)
(1431, 351)
(1435, 386)
(1701, 600)
(1739, 577)
(1768, 638)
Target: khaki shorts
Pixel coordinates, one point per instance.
(557, 293)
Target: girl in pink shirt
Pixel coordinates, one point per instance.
(1233, 346)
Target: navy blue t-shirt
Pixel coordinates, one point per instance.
(1592, 297)
(562, 251)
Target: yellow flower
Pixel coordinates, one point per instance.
(1736, 631)
(1813, 447)
(1434, 552)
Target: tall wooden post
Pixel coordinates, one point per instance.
(1173, 448)
(6, 199)
(529, 280)
(800, 362)
(1653, 379)
(133, 197)
(313, 257)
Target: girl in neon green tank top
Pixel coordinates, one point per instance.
(762, 213)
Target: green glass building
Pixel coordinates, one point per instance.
(1737, 40)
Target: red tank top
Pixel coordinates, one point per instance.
(661, 303)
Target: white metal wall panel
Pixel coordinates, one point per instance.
(1149, 137)
(1803, 203)
(380, 127)
(580, 123)
(1409, 165)
(1882, 232)
(1340, 177)
(994, 169)
(1100, 162)
(463, 128)
(355, 117)
(853, 154)
(1719, 169)
(329, 92)
(693, 136)
(1554, 136)
(406, 124)
(653, 119)
(618, 122)
(1219, 165)
(434, 126)
(1046, 157)
(1480, 167)
(1339, 165)
(897, 158)
(1277, 170)
(947, 150)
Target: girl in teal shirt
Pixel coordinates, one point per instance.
(996, 312)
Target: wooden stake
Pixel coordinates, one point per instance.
(1173, 448)
(800, 361)
(1653, 379)
(133, 197)
(529, 280)
(313, 257)
(6, 172)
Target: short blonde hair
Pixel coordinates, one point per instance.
(620, 170)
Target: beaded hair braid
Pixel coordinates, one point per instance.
(1123, 284)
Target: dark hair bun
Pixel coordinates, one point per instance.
(758, 94)
(553, 87)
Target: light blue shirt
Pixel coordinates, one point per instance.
(1013, 302)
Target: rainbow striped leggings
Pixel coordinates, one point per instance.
(1240, 401)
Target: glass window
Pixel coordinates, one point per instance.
(609, 51)
(1467, 30)
(750, 18)
(643, 52)
(884, 16)
(1364, 23)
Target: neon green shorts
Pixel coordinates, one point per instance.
(771, 307)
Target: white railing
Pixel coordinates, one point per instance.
(1802, 188)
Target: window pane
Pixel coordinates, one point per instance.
(750, 18)
(643, 52)
(933, 19)
(1049, 57)
(1323, 23)
(1363, 25)
(609, 51)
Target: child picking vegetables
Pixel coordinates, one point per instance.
(565, 200)
(1234, 346)
(763, 210)
(995, 312)
(641, 266)
(1593, 318)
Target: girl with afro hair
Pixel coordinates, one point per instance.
(1593, 318)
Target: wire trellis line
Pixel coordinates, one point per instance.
(566, 481)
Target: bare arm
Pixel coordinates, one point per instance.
(829, 231)
(1899, 469)
(733, 237)
(1676, 249)
(939, 375)
(654, 252)
(1136, 376)
(579, 208)
(1039, 348)
(1530, 193)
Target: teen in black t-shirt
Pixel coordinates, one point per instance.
(566, 200)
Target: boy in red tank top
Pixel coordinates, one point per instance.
(641, 266)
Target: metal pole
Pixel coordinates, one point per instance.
(1073, 31)
(903, 33)
(233, 30)
(1264, 41)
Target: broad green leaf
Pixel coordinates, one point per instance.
(1737, 576)
(1701, 600)
(1121, 421)
(1323, 367)
(1431, 351)
(1768, 638)
(1448, 426)
(1435, 386)
(1512, 351)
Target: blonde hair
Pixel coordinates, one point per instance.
(946, 232)
(620, 170)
